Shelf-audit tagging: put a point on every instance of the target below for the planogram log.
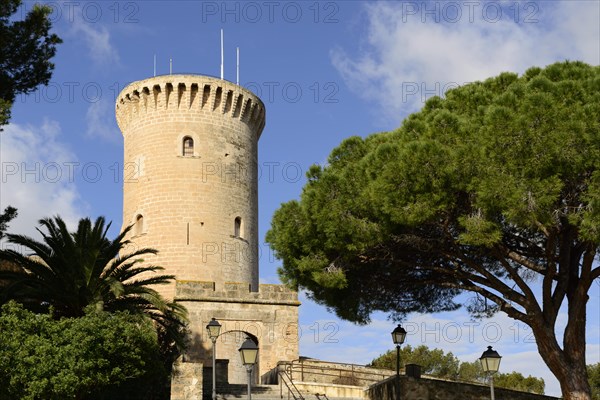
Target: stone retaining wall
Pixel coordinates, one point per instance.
(432, 389)
(186, 381)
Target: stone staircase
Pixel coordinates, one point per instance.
(259, 392)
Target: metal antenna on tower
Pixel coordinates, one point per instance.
(221, 53)
(154, 64)
(238, 66)
(170, 66)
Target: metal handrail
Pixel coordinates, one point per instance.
(283, 375)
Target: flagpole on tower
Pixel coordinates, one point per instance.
(238, 66)
(221, 53)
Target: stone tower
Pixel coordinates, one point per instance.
(190, 175)
(190, 191)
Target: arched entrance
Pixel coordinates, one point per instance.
(229, 360)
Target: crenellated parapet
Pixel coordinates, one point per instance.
(196, 94)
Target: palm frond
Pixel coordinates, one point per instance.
(71, 270)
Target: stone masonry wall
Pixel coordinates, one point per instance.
(185, 205)
(186, 381)
(271, 314)
(432, 389)
(312, 370)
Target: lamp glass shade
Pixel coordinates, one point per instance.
(249, 352)
(398, 335)
(490, 360)
(214, 329)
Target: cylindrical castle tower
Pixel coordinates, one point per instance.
(190, 176)
(190, 191)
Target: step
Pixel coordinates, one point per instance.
(262, 392)
(259, 392)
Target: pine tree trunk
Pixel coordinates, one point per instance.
(576, 387)
(573, 379)
(568, 364)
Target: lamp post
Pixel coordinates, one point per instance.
(249, 355)
(490, 362)
(214, 329)
(398, 336)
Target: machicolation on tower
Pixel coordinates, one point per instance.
(194, 93)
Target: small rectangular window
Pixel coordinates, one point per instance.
(188, 146)
(237, 227)
(139, 225)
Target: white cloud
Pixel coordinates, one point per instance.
(577, 32)
(406, 57)
(98, 41)
(100, 121)
(37, 176)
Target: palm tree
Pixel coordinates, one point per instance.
(71, 271)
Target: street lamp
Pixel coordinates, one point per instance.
(249, 354)
(214, 329)
(490, 362)
(398, 336)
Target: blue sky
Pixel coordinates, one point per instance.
(325, 71)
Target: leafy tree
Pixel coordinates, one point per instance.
(594, 377)
(70, 271)
(493, 190)
(8, 215)
(77, 358)
(516, 381)
(435, 362)
(471, 372)
(26, 48)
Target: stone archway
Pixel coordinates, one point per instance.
(228, 345)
